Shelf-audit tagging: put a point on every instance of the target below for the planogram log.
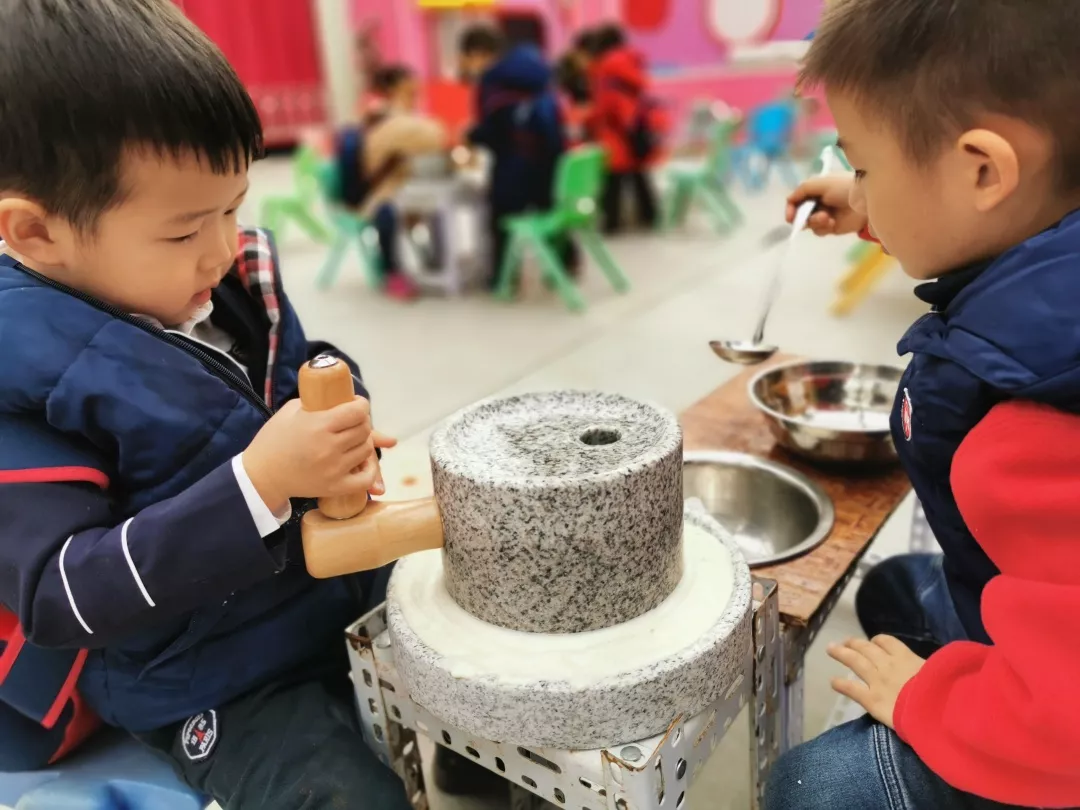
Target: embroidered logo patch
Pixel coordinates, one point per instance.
(200, 735)
(905, 415)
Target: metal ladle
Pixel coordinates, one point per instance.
(752, 352)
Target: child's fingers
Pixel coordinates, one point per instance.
(855, 690)
(349, 415)
(891, 645)
(822, 223)
(382, 441)
(853, 660)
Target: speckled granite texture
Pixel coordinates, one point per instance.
(562, 511)
(577, 712)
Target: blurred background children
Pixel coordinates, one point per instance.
(625, 120)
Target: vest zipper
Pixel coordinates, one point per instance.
(211, 364)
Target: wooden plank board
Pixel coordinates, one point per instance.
(726, 420)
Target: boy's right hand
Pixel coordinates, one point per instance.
(313, 454)
(835, 215)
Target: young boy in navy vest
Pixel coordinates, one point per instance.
(961, 119)
(153, 455)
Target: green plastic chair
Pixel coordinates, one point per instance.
(278, 209)
(579, 180)
(705, 183)
(349, 227)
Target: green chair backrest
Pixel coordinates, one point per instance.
(718, 159)
(306, 173)
(579, 181)
(315, 175)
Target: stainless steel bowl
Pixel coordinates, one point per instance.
(773, 512)
(830, 411)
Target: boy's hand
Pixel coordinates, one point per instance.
(834, 215)
(381, 442)
(884, 664)
(313, 454)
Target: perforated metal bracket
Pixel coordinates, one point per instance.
(393, 742)
(652, 774)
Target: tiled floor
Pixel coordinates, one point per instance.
(424, 361)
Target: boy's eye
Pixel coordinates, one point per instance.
(187, 238)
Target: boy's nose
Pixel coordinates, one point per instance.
(222, 253)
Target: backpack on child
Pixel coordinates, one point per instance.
(650, 122)
(354, 183)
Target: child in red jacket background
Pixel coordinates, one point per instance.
(625, 121)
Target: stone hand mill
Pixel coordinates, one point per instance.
(554, 592)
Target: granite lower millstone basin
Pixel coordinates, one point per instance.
(576, 691)
(562, 511)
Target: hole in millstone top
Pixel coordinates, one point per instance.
(528, 781)
(560, 797)
(446, 738)
(598, 436)
(500, 765)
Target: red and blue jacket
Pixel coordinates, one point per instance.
(132, 573)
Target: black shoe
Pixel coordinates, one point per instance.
(457, 775)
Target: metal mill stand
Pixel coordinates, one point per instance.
(652, 774)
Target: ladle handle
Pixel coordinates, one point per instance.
(802, 216)
(325, 383)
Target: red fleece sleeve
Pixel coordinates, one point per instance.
(1003, 721)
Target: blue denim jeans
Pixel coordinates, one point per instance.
(863, 765)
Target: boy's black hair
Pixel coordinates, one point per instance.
(605, 38)
(932, 68)
(81, 80)
(484, 39)
(583, 40)
(389, 77)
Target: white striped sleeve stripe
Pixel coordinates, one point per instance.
(67, 587)
(131, 563)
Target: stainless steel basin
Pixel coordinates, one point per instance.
(773, 512)
(831, 412)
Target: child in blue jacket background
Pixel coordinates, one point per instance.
(518, 119)
(154, 459)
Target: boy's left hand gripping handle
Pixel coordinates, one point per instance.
(337, 538)
(325, 383)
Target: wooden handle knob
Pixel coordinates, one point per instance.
(325, 383)
(385, 532)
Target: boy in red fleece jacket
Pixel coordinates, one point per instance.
(960, 120)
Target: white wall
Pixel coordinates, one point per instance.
(335, 32)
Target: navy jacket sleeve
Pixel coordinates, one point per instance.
(78, 577)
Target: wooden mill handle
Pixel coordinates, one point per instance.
(384, 533)
(346, 534)
(325, 383)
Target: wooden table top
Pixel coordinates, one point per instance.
(726, 420)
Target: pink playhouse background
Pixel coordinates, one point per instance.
(689, 56)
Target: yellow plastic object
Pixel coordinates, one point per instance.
(860, 280)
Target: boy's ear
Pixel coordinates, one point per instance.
(29, 231)
(991, 166)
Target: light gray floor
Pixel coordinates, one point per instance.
(425, 360)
